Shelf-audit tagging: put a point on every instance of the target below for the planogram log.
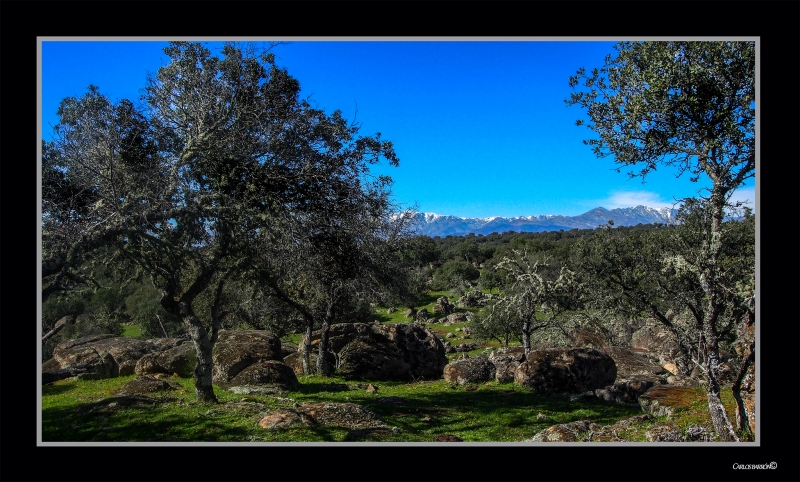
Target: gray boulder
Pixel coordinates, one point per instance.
(180, 358)
(385, 352)
(459, 317)
(295, 361)
(660, 343)
(443, 306)
(635, 364)
(578, 431)
(108, 355)
(267, 373)
(506, 361)
(469, 370)
(624, 391)
(473, 298)
(573, 370)
(237, 350)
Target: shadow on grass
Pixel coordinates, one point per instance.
(141, 423)
(309, 388)
(494, 413)
(52, 389)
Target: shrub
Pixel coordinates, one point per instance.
(454, 273)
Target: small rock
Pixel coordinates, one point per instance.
(447, 438)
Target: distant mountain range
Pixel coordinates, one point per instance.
(432, 224)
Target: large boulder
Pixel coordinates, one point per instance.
(384, 352)
(346, 415)
(559, 370)
(295, 361)
(660, 343)
(267, 373)
(108, 355)
(666, 400)
(624, 391)
(146, 385)
(180, 359)
(506, 361)
(443, 306)
(473, 298)
(459, 317)
(237, 350)
(469, 370)
(577, 431)
(635, 364)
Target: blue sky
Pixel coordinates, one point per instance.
(480, 127)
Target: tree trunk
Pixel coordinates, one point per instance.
(526, 337)
(203, 348)
(708, 282)
(52, 332)
(743, 415)
(719, 417)
(307, 348)
(710, 339)
(745, 347)
(323, 367)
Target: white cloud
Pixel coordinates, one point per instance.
(747, 195)
(627, 199)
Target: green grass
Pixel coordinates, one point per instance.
(132, 330)
(487, 412)
(428, 301)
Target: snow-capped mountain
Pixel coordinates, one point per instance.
(432, 224)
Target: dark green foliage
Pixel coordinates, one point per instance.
(99, 322)
(419, 251)
(490, 324)
(59, 306)
(222, 171)
(145, 310)
(453, 274)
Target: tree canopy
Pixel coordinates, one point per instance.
(689, 106)
(222, 158)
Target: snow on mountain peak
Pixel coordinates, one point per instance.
(433, 224)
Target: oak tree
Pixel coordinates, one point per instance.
(177, 189)
(688, 106)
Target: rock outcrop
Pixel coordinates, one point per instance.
(384, 352)
(269, 374)
(178, 356)
(506, 361)
(237, 350)
(107, 355)
(469, 370)
(347, 415)
(573, 370)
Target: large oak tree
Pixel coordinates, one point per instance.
(688, 106)
(179, 190)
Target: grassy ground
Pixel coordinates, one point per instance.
(489, 412)
(132, 330)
